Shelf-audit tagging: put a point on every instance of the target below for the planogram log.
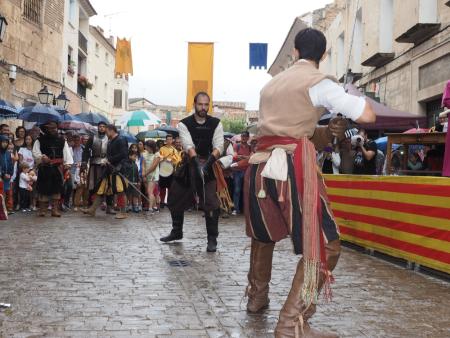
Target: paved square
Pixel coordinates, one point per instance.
(99, 277)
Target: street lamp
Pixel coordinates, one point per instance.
(3, 24)
(45, 96)
(62, 100)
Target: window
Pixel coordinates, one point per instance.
(96, 80)
(32, 10)
(126, 100)
(72, 11)
(386, 26)
(118, 98)
(97, 49)
(107, 58)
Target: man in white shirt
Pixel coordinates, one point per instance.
(202, 139)
(52, 155)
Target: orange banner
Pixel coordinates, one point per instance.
(124, 60)
(200, 72)
(403, 216)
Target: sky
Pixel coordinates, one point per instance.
(161, 29)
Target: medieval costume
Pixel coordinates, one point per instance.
(51, 153)
(285, 194)
(94, 157)
(112, 182)
(205, 135)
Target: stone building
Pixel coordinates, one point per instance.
(229, 109)
(75, 52)
(398, 51)
(33, 41)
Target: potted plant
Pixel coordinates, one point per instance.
(84, 82)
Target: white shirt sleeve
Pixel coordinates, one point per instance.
(67, 154)
(185, 136)
(218, 141)
(330, 95)
(37, 151)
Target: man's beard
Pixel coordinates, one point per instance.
(201, 113)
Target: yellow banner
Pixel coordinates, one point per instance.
(200, 72)
(124, 60)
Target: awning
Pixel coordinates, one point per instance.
(387, 118)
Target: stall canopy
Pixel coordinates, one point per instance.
(390, 119)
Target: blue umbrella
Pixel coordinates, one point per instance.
(92, 118)
(8, 110)
(40, 114)
(65, 115)
(130, 138)
(382, 144)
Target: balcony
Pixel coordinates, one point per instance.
(419, 33)
(378, 59)
(82, 42)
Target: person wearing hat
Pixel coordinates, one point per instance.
(51, 154)
(94, 157)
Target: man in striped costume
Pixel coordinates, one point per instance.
(284, 193)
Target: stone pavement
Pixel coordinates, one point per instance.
(99, 277)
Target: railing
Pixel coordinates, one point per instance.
(82, 42)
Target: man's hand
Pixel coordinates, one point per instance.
(45, 159)
(337, 127)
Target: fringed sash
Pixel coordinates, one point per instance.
(307, 182)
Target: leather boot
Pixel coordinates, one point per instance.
(259, 275)
(93, 208)
(55, 208)
(212, 229)
(43, 206)
(292, 324)
(177, 228)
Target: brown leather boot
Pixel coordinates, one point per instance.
(292, 324)
(43, 206)
(259, 275)
(93, 208)
(55, 207)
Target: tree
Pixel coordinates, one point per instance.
(235, 126)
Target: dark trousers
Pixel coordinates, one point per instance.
(238, 178)
(181, 198)
(24, 198)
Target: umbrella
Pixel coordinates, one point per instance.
(382, 144)
(139, 118)
(169, 130)
(92, 118)
(40, 114)
(65, 115)
(7, 110)
(76, 125)
(416, 131)
(130, 138)
(151, 134)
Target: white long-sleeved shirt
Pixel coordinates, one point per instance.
(188, 143)
(67, 153)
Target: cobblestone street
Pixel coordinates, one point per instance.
(99, 277)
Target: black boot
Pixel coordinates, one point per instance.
(212, 228)
(177, 228)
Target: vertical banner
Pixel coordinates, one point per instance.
(200, 72)
(124, 60)
(258, 55)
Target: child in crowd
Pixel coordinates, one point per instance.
(150, 173)
(25, 186)
(131, 172)
(7, 171)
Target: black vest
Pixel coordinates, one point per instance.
(52, 146)
(202, 134)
